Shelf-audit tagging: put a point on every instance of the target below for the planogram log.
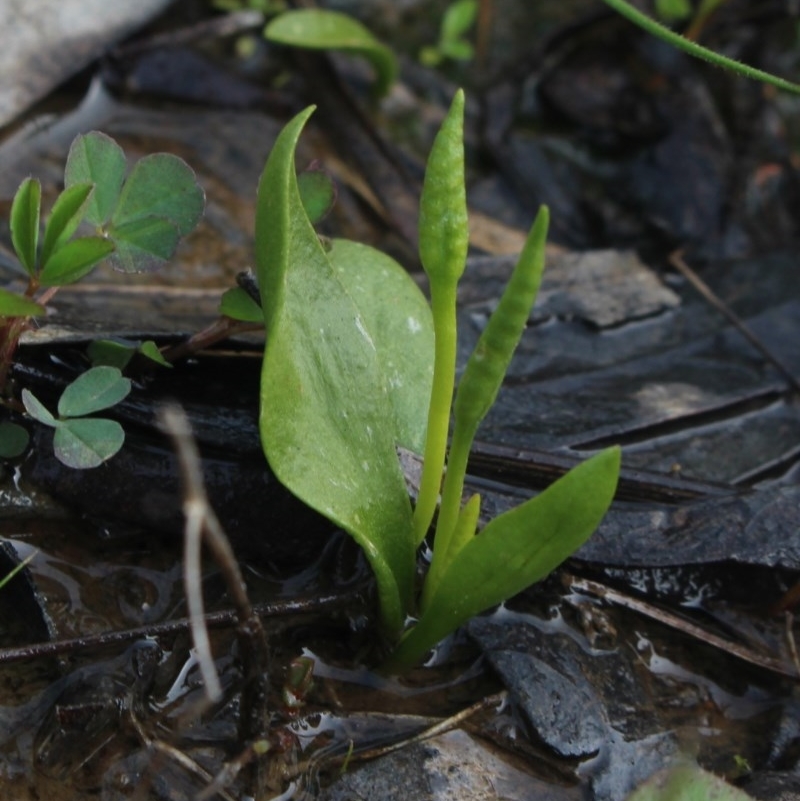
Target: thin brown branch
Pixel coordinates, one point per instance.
(677, 261)
(681, 624)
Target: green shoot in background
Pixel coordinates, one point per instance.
(320, 29)
(458, 18)
(356, 363)
(692, 48)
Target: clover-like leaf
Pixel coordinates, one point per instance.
(75, 259)
(65, 217)
(238, 305)
(37, 410)
(24, 220)
(143, 244)
(161, 185)
(110, 353)
(97, 159)
(87, 442)
(13, 439)
(13, 305)
(96, 389)
(320, 29)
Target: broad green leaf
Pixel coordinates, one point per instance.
(36, 409)
(317, 192)
(64, 218)
(324, 409)
(13, 440)
(161, 185)
(13, 305)
(96, 389)
(238, 305)
(97, 159)
(514, 551)
(25, 210)
(74, 260)
(458, 19)
(687, 783)
(398, 320)
(319, 29)
(143, 244)
(87, 441)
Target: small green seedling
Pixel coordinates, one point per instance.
(80, 441)
(458, 18)
(357, 363)
(320, 29)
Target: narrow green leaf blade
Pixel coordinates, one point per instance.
(25, 210)
(13, 439)
(402, 331)
(87, 442)
(516, 550)
(64, 218)
(13, 305)
(323, 406)
(488, 363)
(97, 159)
(238, 305)
(75, 259)
(37, 410)
(143, 244)
(161, 185)
(319, 29)
(96, 389)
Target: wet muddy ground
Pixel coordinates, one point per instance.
(670, 635)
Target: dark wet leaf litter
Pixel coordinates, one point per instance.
(616, 352)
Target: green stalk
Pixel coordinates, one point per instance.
(443, 305)
(443, 243)
(688, 46)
